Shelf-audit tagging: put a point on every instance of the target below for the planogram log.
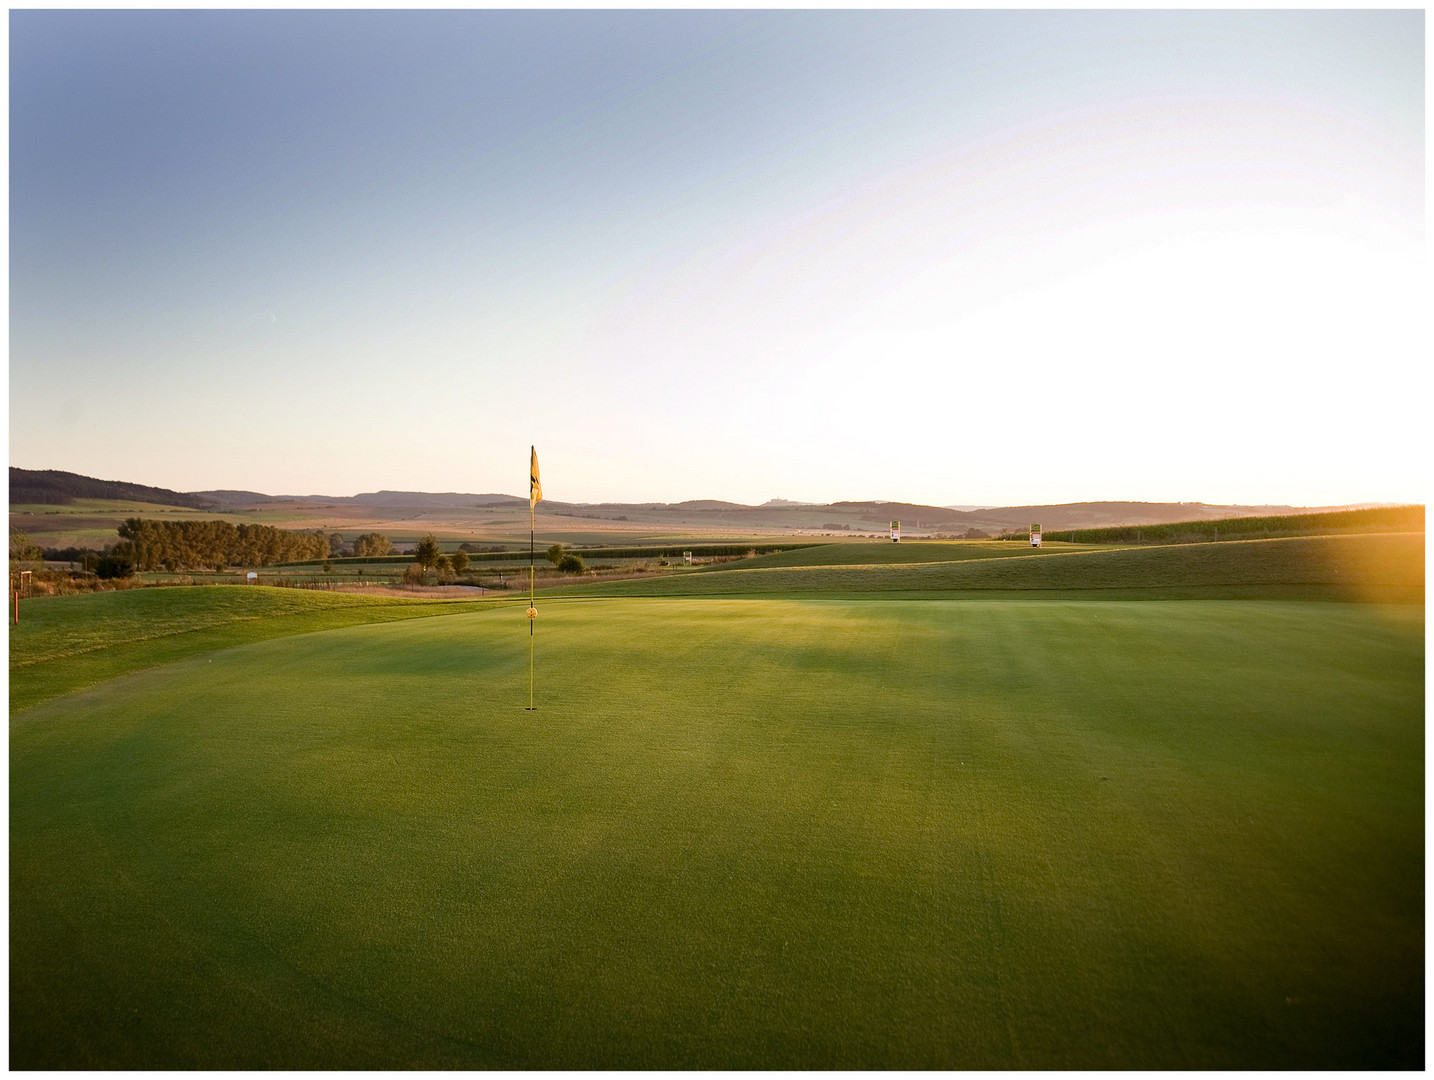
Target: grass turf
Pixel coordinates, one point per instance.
(885, 553)
(737, 834)
(1387, 567)
(64, 643)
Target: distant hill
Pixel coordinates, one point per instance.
(367, 498)
(49, 487)
(236, 498)
(420, 498)
(774, 516)
(1089, 515)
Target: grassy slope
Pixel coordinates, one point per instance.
(1367, 520)
(887, 554)
(109, 507)
(92, 522)
(67, 642)
(738, 834)
(1387, 566)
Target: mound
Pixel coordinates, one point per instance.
(66, 642)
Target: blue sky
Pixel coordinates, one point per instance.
(940, 256)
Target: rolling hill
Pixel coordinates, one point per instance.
(445, 512)
(50, 487)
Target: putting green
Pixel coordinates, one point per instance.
(737, 834)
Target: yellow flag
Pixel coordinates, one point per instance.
(535, 488)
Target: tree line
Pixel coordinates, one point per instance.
(194, 545)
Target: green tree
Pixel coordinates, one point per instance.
(373, 543)
(114, 566)
(22, 548)
(555, 554)
(571, 564)
(460, 561)
(427, 552)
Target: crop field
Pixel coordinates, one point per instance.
(988, 813)
(92, 522)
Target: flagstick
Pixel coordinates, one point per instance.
(535, 492)
(530, 605)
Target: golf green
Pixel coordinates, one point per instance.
(737, 834)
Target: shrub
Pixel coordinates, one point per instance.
(114, 566)
(571, 564)
(427, 552)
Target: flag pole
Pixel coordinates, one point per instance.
(531, 606)
(535, 492)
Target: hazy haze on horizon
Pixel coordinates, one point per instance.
(948, 257)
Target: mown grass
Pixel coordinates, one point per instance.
(888, 554)
(1376, 567)
(64, 643)
(737, 834)
(1367, 520)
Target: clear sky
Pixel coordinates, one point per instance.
(951, 257)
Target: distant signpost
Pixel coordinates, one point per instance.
(1035, 536)
(896, 532)
(19, 584)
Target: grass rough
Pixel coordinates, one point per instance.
(63, 643)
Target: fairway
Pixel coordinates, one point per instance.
(737, 834)
(1370, 567)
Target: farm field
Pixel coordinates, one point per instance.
(92, 523)
(1007, 830)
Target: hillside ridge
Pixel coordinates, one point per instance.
(51, 487)
(55, 487)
